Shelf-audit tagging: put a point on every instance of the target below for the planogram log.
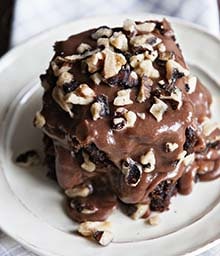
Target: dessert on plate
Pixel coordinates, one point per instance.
(125, 123)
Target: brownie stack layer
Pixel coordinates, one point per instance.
(125, 121)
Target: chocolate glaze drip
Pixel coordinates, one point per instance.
(107, 148)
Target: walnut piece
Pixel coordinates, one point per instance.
(82, 95)
(39, 120)
(172, 65)
(81, 191)
(145, 89)
(192, 81)
(123, 98)
(119, 41)
(146, 27)
(102, 32)
(153, 220)
(113, 63)
(88, 228)
(141, 210)
(64, 78)
(88, 165)
(170, 147)
(83, 47)
(158, 109)
(148, 160)
(176, 95)
(96, 78)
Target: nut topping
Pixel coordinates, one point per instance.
(104, 238)
(113, 63)
(129, 25)
(154, 220)
(58, 96)
(141, 210)
(123, 119)
(145, 89)
(87, 165)
(64, 78)
(99, 230)
(96, 78)
(59, 66)
(119, 41)
(145, 67)
(146, 27)
(132, 172)
(191, 85)
(173, 67)
(148, 161)
(170, 147)
(151, 55)
(145, 40)
(189, 159)
(161, 47)
(83, 47)
(83, 95)
(81, 191)
(158, 109)
(141, 115)
(102, 32)
(175, 95)
(95, 62)
(123, 98)
(39, 120)
(100, 108)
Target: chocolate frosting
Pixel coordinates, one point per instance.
(109, 148)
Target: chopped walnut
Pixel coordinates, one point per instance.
(129, 25)
(59, 66)
(59, 97)
(123, 119)
(104, 42)
(102, 32)
(148, 160)
(153, 220)
(95, 62)
(119, 41)
(191, 85)
(81, 191)
(95, 110)
(145, 89)
(39, 120)
(143, 66)
(113, 63)
(123, 98)
(161, 47)
(158, 109)
(151, 55)
(88, 228)
(176, 95)
(83, 47)
(64, 78)
(145, 40)
(78, 57)
(104, 238)
(132, 172)
(141, 210)
(96, 78)
(141, 115)
(146, 27)
(83, 95)
(171, 66)
(87, 165)
(170, 147)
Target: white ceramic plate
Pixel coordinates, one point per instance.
(31, 205)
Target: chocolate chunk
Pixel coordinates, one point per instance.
(161, 195)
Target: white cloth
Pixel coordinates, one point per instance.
(34, 16)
